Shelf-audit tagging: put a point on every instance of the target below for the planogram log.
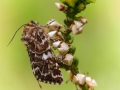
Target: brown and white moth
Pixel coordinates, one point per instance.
(43, 62)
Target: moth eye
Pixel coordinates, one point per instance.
(32, 21)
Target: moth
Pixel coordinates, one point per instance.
(42, 59)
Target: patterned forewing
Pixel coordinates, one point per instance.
(44, 65)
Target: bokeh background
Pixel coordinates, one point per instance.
(98, 47)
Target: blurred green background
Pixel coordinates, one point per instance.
(98, 47)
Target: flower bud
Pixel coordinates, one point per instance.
(60, 6)
(63, 49)
(55, 36)
(53, 25)
(81, 7)
(56, 44)
(90, 82)
(76, 27)
(83, 20)
(68, 59)
(93, 83)
(60, 35)
(75, 79)
(81, 79)
(52, 34)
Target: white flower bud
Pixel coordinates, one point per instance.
(60, 6)
(55, 35)
(77, 31)
(90, 82)
(53, 25)
(75, 79)
(76, 27)
(60, 35)
(93, 83)
(52, 34)
(88, 79)
(68, 59)
(56, 44)
(81, 79)
(78, 24)
(63, 49)
(83, 20)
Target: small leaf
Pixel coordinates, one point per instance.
(75, 62)
(84, 87)
(72, 50)
(81, 7)
(70, 3)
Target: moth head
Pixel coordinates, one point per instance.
(34, 22)
(29, 24)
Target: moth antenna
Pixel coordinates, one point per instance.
(15, 34)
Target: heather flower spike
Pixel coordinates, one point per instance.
(41, 39)
(62, 41)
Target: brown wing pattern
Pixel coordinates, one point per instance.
(44, 65)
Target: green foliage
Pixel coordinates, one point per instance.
(75, 6)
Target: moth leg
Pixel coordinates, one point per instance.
(39, 85)
(67, 80)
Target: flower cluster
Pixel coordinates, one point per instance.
(66, 52)
(73, 7)
(82, 80)
(61, 40)
(58, 42)
(77, 25)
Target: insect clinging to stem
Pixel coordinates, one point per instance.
(42, 59)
